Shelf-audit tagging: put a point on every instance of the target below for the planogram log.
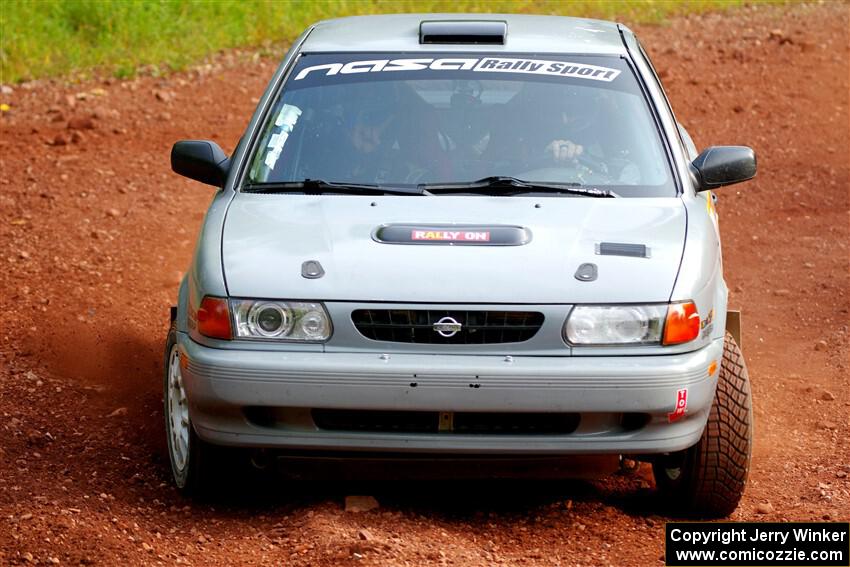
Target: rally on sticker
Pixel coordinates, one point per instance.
(451, 235)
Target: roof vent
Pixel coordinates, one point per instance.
(463, 31)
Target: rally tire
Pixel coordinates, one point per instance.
(194, 469)
(708, 479)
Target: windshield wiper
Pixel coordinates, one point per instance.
(503, 185)
(319, 186)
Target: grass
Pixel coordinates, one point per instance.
(46, 38)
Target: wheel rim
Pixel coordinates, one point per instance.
(178, 412)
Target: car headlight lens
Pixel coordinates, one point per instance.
(269, 320)
(314, 325)
(615, 324)
(281, 320)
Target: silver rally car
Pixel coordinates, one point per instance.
(470, 236)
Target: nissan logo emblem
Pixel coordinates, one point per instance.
(447, 327)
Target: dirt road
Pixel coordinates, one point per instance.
(95, 231)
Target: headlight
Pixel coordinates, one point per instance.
(280, 320)
(615, 324)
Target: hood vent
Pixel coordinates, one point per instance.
(463, 32)
(622, 249)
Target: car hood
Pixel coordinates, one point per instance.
(267, 238)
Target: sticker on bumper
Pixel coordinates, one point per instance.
(681, 406)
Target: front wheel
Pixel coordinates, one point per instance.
(192, 460)
(708, 479)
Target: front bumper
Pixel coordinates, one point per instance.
(224, 384)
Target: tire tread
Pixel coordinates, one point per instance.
(716, 468)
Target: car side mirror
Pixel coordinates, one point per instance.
(723, 165)
(201, 160)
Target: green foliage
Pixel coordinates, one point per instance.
(40, 38)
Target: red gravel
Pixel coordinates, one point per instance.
(95, 230)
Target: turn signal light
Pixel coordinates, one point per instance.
(682, 323)
(214, 318)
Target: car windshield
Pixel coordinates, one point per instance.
(400, 120)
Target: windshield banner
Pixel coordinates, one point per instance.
(484, 65)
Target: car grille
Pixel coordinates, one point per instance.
(461, 422)
(418, 326)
